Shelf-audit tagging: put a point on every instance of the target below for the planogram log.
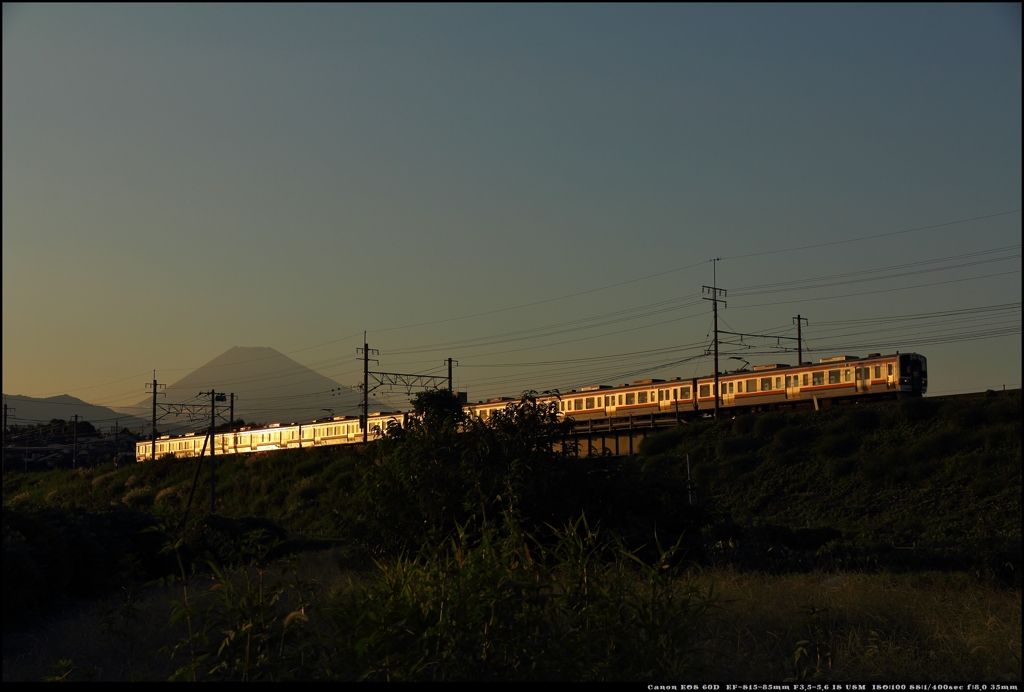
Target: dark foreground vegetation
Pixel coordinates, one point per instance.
(869, 542)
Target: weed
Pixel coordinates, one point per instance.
(812, 655)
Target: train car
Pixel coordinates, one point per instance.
(762, 387)
(831, 378)
(773, 385)
(338, 430)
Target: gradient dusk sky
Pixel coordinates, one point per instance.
(532, 190)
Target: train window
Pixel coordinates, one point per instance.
(705, 390)
(778, 383)
(675, 394)
(630, 399)
(846, 375)
(789, 381)
(641, 397)
(751, 386)
(834, 376)
(878, 371)
(888, 367)
(578, 404)
(818, 377)
(766, 384)
(684, 393)
(590, 402)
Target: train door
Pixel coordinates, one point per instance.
(728, 393)
(664, 399)
(609, 404)
(792, 386)
(863, 376)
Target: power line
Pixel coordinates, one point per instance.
(870, 237)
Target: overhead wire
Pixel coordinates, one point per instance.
(635, 313)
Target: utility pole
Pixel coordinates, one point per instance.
(365, 350)
(213, 451)
(116, 430)
(156, 387)
(450, 363)
(715, 292)
(74, 455)
(689, 483)
(800, 338)
(3, 445)
(231, 423)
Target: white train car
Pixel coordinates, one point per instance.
(339, 430)
(762, 387)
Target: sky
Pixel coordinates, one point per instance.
(535, 191)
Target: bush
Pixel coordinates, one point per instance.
(734, 446)
(420, 482)
(790, 437)
(226, 541)
(767, 425)
(839, 446)
(839, 468)
(918, 410)
(862, 419)
(500, 606)
(51, 554)
(937, 446)
(744, 425)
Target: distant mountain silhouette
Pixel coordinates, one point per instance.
(31, 410)
(269, 387)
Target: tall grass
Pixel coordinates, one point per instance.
(926, 627)
(876, 627)
(487, 607)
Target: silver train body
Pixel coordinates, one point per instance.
(764, 386)
(340, 430)
(761, 388)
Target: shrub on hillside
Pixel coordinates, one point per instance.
(444, 470)
(918, 409)
(769, 424)
(839, 446)
(51, 554)
(227, 541)
(862, 418)
(736, 445)
(501, 606)
(744, 425)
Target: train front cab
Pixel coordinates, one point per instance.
(913, 374)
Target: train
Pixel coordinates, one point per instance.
(763, 387)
